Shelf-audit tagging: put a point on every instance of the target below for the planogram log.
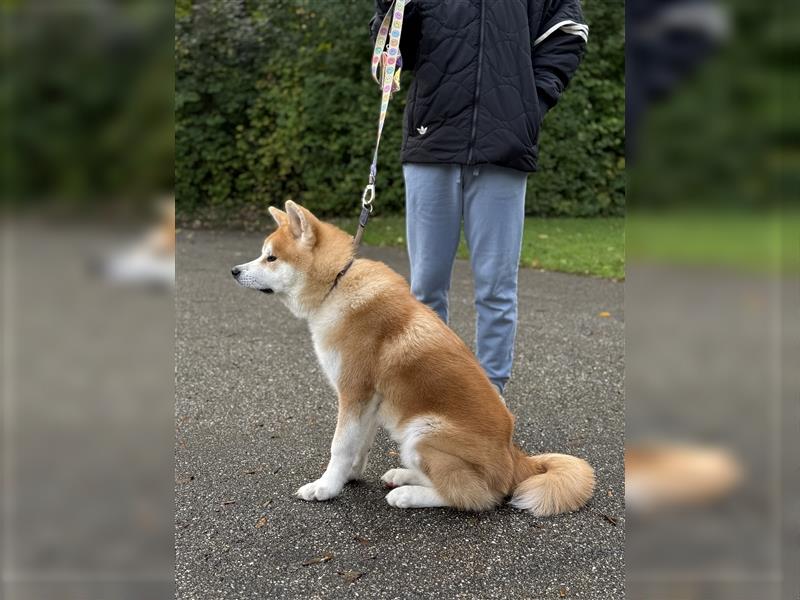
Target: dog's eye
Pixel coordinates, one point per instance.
(272, 258)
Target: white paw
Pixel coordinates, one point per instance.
(396, 477)
(318, 490)
(401, 497)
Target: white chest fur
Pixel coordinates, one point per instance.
(322, 325)
(330, 361)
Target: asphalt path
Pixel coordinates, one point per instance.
(254, 419)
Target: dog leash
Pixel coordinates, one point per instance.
(386, 67)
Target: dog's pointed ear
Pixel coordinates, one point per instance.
(278, 216)
(301, 223)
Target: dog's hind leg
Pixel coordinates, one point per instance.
(456, 481)
(396, 477)
(415, 496)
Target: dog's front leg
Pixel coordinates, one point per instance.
(362, 456)
(353, 426)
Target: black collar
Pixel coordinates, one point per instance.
(339, 275)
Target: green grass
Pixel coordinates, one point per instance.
(584, 246)
(764, 242)
(751, 242)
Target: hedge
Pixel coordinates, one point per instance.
(274, 100)
(86, 106)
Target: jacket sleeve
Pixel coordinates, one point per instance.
(409, 36)
(557, 49)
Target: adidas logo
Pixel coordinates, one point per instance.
(422, 130)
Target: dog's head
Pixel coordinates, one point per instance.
(299, 259)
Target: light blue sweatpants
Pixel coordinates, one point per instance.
(491, 202)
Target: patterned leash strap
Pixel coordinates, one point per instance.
(386, 67)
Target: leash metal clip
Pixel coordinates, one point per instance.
(368, 196)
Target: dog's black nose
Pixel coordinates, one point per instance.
(235, 271)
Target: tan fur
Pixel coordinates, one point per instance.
(161, 241)
(391, 345)
(662, 475)
(558, 483)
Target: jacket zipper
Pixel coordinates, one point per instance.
(412, 120)
(474, 131)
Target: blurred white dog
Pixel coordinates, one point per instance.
(150, 261)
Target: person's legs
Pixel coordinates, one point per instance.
(494, 217)
(433, 226)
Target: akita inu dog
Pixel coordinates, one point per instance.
(394, 363)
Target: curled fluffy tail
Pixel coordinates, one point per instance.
(550, 484)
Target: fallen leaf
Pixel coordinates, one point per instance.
(261, 522)
(351, 576)
(611, 520)
(604, 314)
(562, 592)
(185, 479)
(394, 453)
(318, 559)
(361, 540)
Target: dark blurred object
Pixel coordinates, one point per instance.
(706, 111)
(666, 40)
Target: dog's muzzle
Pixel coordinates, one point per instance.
(236, 271)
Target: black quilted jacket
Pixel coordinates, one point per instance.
(485, 73)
